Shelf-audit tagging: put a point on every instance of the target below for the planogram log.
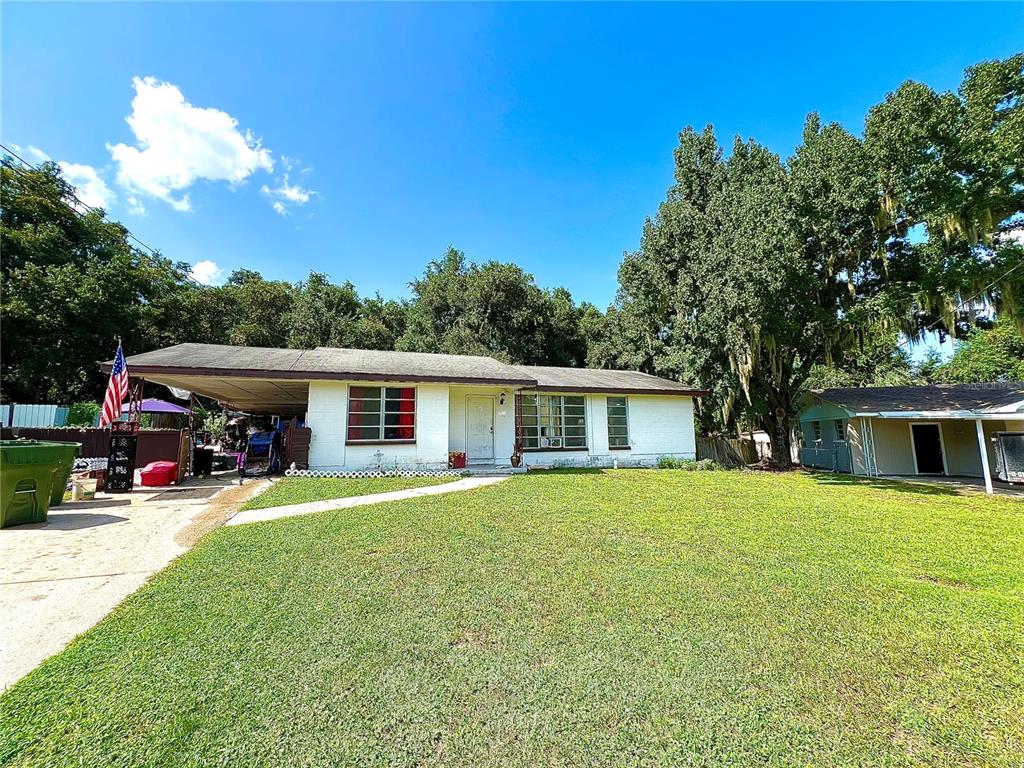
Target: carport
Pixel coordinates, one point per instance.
(250, 379)
(942, 431)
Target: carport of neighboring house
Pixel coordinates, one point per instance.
(930, 431)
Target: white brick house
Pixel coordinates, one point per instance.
(411, 410)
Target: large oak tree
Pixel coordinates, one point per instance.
(754, 274)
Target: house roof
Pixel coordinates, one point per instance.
(324, 363)
(555, 379)
(995, 397)
(264, 378)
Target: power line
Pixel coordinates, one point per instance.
(86, 206)
(971, 300)
(931, 326)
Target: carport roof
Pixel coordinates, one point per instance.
(996, 397)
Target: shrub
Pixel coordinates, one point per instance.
(690, 465)
(82, 414)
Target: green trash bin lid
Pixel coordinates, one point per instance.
(38, 452)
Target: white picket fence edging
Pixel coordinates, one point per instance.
(373, 473)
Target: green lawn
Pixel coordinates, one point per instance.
(621, 618)
(298, 490)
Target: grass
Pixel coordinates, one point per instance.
(619, 618)
(297, 490)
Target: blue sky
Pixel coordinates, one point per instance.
(539, 134)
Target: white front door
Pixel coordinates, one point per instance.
(479, 428)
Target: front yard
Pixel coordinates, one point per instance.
(619, 618)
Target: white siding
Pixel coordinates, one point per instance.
(327, 413)
(659, 425)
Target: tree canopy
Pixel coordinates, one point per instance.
(71, 284)
(463, 308)
(992, 354)
(758, 278)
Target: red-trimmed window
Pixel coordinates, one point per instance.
(381, 414)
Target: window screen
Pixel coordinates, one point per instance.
(618, 423)
(381, 413)
(554, 421)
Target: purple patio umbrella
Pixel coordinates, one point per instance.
(153, 405)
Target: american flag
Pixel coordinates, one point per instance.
(116, 389)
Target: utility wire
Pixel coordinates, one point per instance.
(86, 206)
(931, 326)
(966, 302)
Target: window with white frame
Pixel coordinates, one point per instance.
(381, 414)
(841, 430)
(554, 421)
(618, 423)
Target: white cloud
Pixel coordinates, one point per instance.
(90, 188)
(135, 206)
(35, 154)
(178, 144)
(206, 272)
(286, 194)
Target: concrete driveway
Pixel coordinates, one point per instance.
(59, 578)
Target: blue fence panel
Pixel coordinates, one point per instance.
(34, 415)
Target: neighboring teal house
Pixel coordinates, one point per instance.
(965, 430)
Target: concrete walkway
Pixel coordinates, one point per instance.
(962, 484)
(289, 510)
(61, 577)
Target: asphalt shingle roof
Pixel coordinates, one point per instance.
(222, 359)
(333, 362)
(601, 380)
(936, 397)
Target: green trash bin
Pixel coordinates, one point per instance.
(66, 453)
(29, 470)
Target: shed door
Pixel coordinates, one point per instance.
(928, 449)
(480, 428)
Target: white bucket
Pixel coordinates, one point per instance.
(83, 490)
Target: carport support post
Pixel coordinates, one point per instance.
(978, 424)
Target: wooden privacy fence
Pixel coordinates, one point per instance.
(727, 451)
(153, 444)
